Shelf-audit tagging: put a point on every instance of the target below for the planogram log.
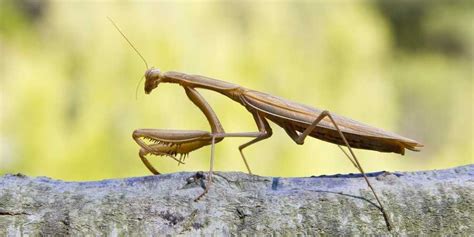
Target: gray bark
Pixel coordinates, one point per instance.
(419, 203)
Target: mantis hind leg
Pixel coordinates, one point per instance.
(300, 140)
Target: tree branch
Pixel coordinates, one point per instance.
(419, 203)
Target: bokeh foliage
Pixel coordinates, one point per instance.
(67, 80)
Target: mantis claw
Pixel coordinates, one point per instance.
(170, 143)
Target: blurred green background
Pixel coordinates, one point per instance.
(68, 79)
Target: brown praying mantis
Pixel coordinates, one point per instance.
(298, 120)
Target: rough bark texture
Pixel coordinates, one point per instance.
(420, 203)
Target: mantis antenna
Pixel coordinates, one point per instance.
(136, 50)
(138, 85)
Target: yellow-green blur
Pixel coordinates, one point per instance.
(68, 79)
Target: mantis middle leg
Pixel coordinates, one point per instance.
(218, 132)
(266, 132)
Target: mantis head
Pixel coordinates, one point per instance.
(152, 79)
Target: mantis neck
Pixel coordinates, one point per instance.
(195, 81)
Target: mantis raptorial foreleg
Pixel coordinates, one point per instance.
(202, 104)
(172, 142)
(142, 153)
(169, 143)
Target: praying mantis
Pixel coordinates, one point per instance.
(299, 121)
